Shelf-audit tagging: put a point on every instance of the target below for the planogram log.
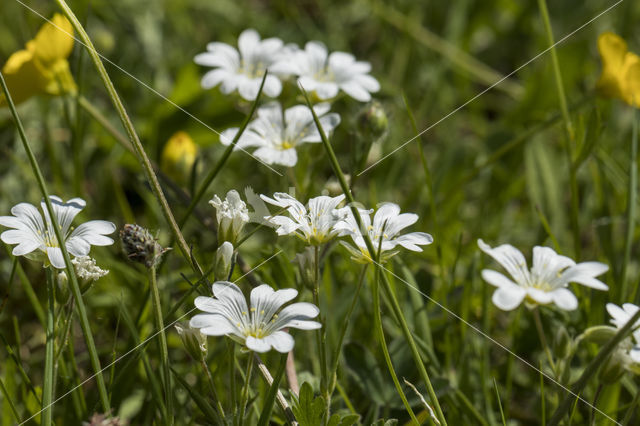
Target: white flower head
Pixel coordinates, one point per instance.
(545, 283)
(276, 135)
(232, 214)
(259, 327)
(87, 269)
(36, 238)
(314, 226)
(242, 69)
(631, 345)
(326, 74)
(383, 232)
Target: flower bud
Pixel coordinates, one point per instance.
(193, 340)
(562, 343)
(599, 334)
(232, 214)
(140, 246)
(222, 266)
(178, 157)
(305, 261)
(372, 122)
(62, 293)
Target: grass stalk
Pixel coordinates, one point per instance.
(265, 415)
(133, 137)
(162, 343)
(320, 334)
(71, 275)
(543, 339)
(392, 298)
(48, 382)
(631, 210)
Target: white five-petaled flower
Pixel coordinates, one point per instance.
(259, 327)
(619, 317)
(547, 281)
(232, 214)
(244, 68)
(326, 74)
(277, 135)
(315, 226)
(383, 232)
(33, 234)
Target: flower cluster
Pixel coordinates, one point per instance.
(324, 74)
(276, 132)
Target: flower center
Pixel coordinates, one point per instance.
(252, 69)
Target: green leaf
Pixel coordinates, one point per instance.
(307, 408)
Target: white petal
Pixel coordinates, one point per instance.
(564, 299)
(55, 257)
(510, 258)
(584, 273)
(212, 325)
(304, 325)
(213, 78)
(356, 91)
(272, 86)
(247, 42)
(25, 247)
(508, 298)
(496, 278)
(78, 246)
(93, 232)
(257, 345)
(412, 240)
(286, 157)
(539, 296)
(281, 341)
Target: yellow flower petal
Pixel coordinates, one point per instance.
(54, 41)
(612, 50)
(23, 77)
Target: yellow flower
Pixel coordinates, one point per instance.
(42, 66)
(620, 70)
(178, 157)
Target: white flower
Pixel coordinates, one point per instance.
(232, 214)
(619, 317)
(245, 69)
(547, 281)
(326, 74)
(277, 136)
(387, 224)
(260, 327)
(315, 226)
(33, 234)
(87, 269)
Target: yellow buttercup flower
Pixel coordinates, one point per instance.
(178, 157)
(42, 66)
(620, 70)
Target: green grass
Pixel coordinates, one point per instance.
(505, 168)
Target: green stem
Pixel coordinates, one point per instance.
(377, 320)
(244, 397)
(232, 376)
(133, 137)
(284, 405)
(568, 126)
(162, 342)
(225, 155)
(47, 387)
(394, 301)
(591, 369)
(7, 397)
(631, 209)
(75, 287)
(543, 339)
(212, 387)
(273, 391)
(343, 332)
(320, 334)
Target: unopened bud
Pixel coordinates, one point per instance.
(599, 334)
(62, 293)
(305, 261)
(140, 246)
(372, 122)
(178, 157)
(193, 340)
(222, 266)
(231, 214)
(562, 344)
